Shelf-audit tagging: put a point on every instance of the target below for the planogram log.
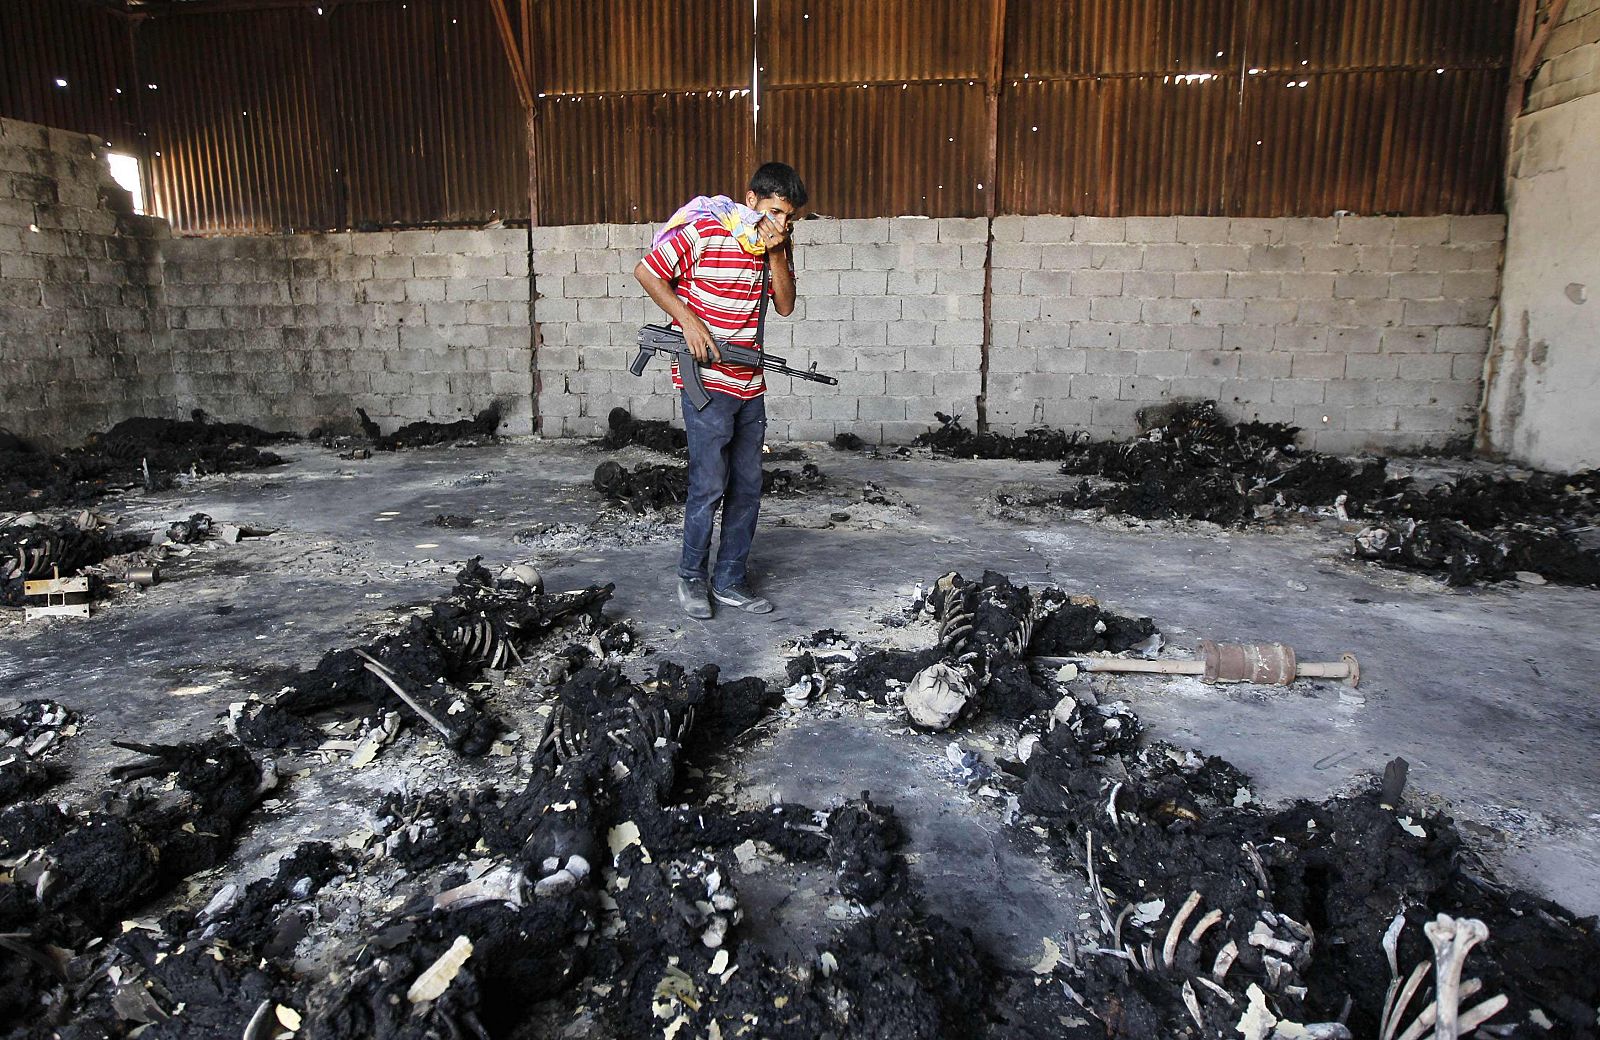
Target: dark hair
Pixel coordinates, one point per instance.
(776, 178)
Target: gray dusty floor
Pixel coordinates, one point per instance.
(1489, 693)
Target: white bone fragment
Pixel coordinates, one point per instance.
(1169, 949)
(436, 978)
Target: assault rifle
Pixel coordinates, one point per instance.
(664, 339)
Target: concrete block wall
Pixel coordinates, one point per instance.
(892, 307)
(1545, 360)
(1571, 59)
(81, 342)
(1365, 332)
(297, 331)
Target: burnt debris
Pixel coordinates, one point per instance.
(140, 452)
(29, 740)
(650, 486)
(599, 890)
(480, 428)
(1191, 464)
(43, 550)
(424, 672)
(623, 430)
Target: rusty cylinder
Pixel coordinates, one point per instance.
(1270, 664)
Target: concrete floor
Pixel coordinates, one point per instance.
(1489, 693)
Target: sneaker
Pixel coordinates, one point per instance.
(740, 596)
(693, 599)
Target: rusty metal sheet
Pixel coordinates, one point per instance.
(617, 46)
(1394, 142)
(817, 42)
(483, 124)
(884, 150)
(635, 157)
(1054, 38)
(69, 66)
(1113, 146)
(238, 140)
(1290, 35)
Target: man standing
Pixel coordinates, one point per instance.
(711, 269)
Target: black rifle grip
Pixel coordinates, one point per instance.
(637, 368)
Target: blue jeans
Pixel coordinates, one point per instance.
(724, 470)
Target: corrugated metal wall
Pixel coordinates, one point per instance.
(640, 107)
(404, 111)
(43, 41)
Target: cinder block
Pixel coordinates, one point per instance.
(1422, 231)
(1434, 312)
(1047, 230)
(863, 283)
(913, 229)
(1054, 283)
(1109, 362)
(1366, 231)
(905, 333)
(1115, 308)
(582, 286)
(1070, 257)
(1170, 258)
(1061, 360)
(1354, 341)
(1308, 285)
(876, 308)
(903, 283)
(1152, 229)
(963, 230)
(1336, 258)
(1217, 312)
(1116, 257)
(1254, 231)
(876, 256)
(1095, 336)
(1195, 337)
(832, 258)
(1200, 230)
(1146, 337)
(1249, 337)
(1015, 308)
(1490, 227)
(1317, 366)
(958, 333)
(874, 229)
(1017, 256)
(1092, 283)
(1466, 341)
(1409, 340)
(1253, 285)
(1167, 312)
(1478, 285)
(1147, 284)
(961, 282)
(1270, 312)
(1099, 229)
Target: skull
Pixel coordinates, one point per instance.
(938, 694)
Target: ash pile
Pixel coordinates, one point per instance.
(623, 430)
(1191, 464)
(141, 452)
(651, 486)
(480, 429)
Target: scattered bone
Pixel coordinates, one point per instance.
(1225, 958)
(1192, 1002)
(1169, 949)
(432, 983)
(938, 694)
(505, 884)
(1203, 926)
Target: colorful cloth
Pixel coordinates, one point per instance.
(740, 220)
(721, 283)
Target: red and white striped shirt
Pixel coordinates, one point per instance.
(721, 284)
